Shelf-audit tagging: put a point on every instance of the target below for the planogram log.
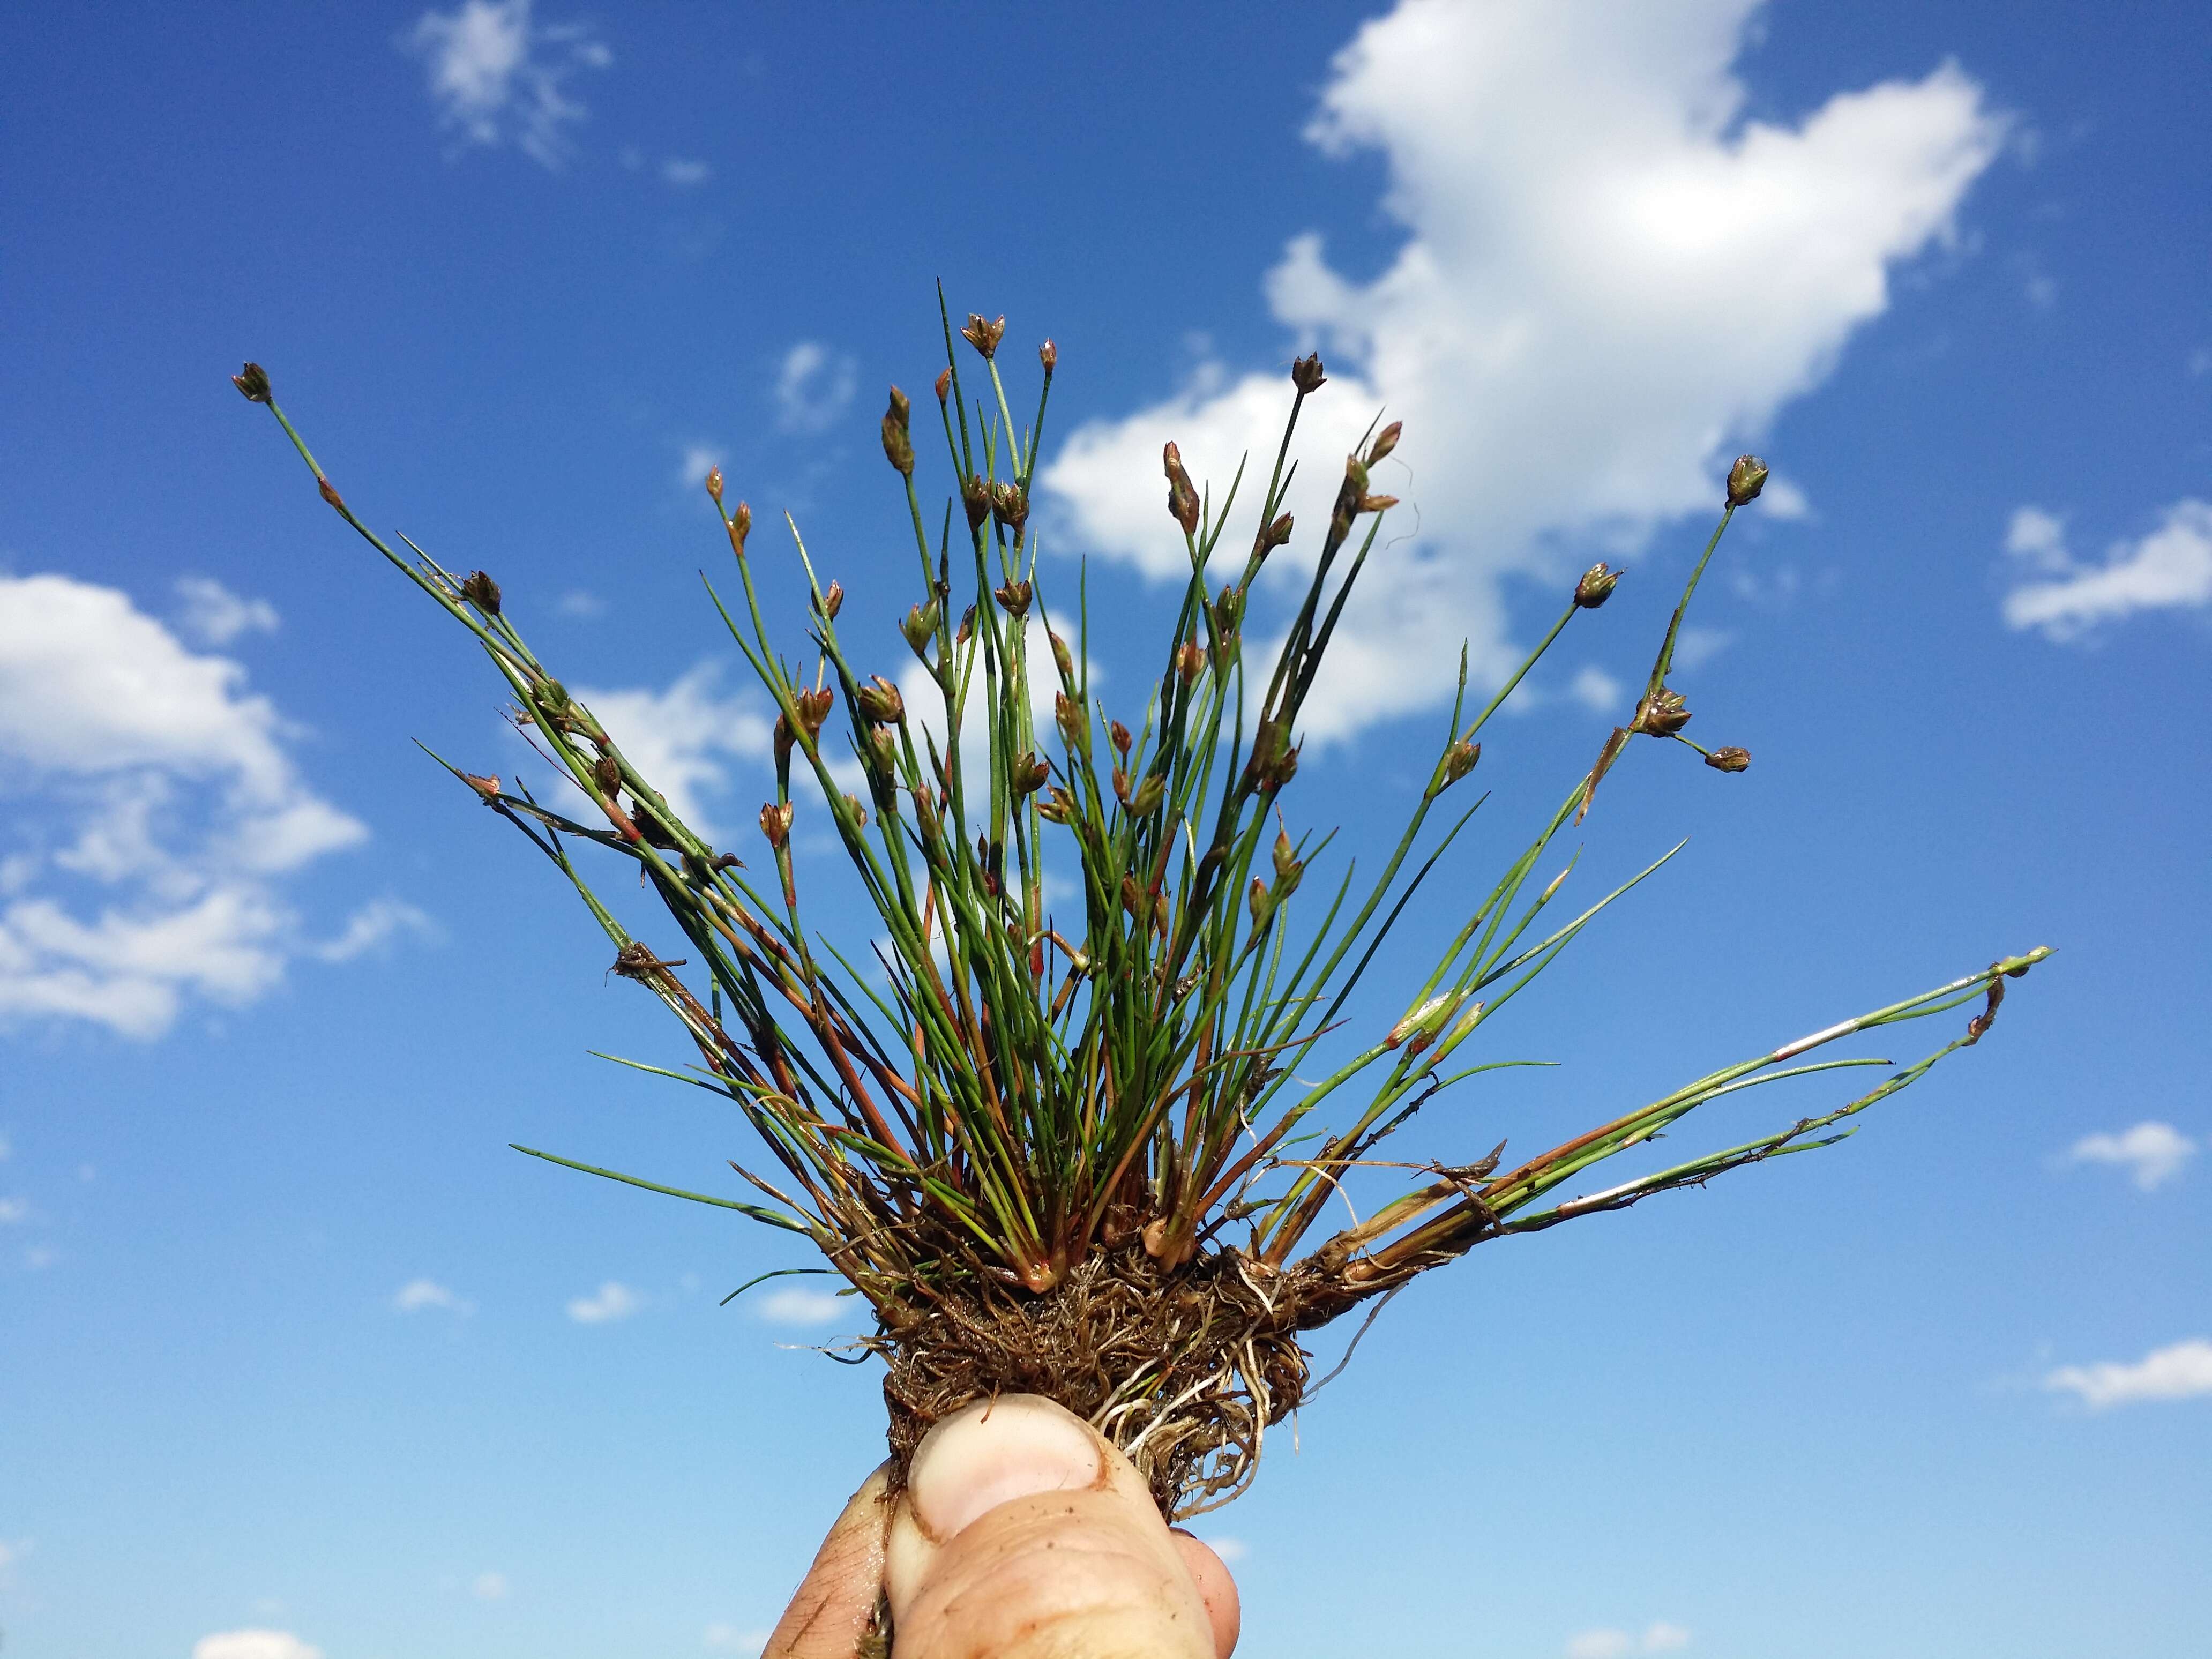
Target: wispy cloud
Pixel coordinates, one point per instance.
(374, 927)
(417, 1294)
(496, 76)
(1597, 690)
(1612, 276)
(582, 605)
(814, 386)
(695, 461)
(254, 1644)
(2065, 597)
(489, 1587)
(684, 172)
(611, 1301)
(2183, 1371)
(1658, 1637)
(13, 1212)
(2151, 1152)
(170, 814)
(793, 1305)
(215, 616)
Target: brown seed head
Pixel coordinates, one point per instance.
(1596, 585)
(898, 442)
(741, 526)
(1182, 499)
(833, 599)
(1122, 739)
(1662, 713)
(813, 708)
(961, 634)
(1276, 534)
(984, 337)
(482, 591)
(1074, 724)
(1745, 479)
(1377, 503)
(1385, 441)
(921, 628)
(1460, 760)
(976, 498)
(607, 770)
(1729, 760)
(944, 385)
(1058, 807)
(1190, 661)
(1013, 598)
(330, 493)
(1306, 375)
(860, 812)
(1010, 505)
(775, 823)
(253, 383)
(1030, 773)
(880, 701)
(1048, 355)
(715, 484)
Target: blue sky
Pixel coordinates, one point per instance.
(302, 1363)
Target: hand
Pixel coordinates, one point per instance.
(1022, 1535)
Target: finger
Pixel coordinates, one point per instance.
(1215, 1588)
(830, 1614)
(1024, 1534)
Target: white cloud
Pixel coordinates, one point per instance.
(155, 805)
(38, 1257)
(1598, 691)
(680, 740)
(419, 1293)
(2168, 570)
(814, 386)
(795, 1306)
(683, 173)
(254, 1644)
(1612, 279)
(13, 1212)
(2152, 1152)
(489, 1587)
(2183, 1371)
(611, 1301)
(584, 606)
(698, 460)
(497, 76)
(214, 615)
(1228, 1548)
(373, 927)
(1658, 1637)
(734, 1639)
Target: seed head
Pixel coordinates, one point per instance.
(1048, 355)
(1013, 599)
(860, 812)
(1306, 375)
(1274, 535)
(898, 442)
(253, 383)
(813, 708)
(1261, 902)
(1745, 479)
(1385, 441)
(775, 823)
(1030, 774)
(984, 337)
(976, 498)
(482, 591)
(1182, 500)
(715, 484)
(1150, 794)
(960, 635)
(1058, 807)
(1061, 658)
(1190, 661)
(1596, 585)
(1229, 612)
(607, 770)
(1073, 722)
(1662, 713)
(944, 385)
(1729, 760)
(921, 628)
(1460, 760)
(833, 599)
(329, 492)
(1010, 505)
(880, 701)
(741, 526)
(1120, 734)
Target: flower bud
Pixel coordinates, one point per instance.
(1377, 503)
(329, 492)
(715, 484)
(860, 812)
(898, 442)
(880, 701)
(960, 635)
(783, 741)
(775, 823)
(607, 772)
(253, 383)
(1029, 774)
(1182, 499)
(740, 527)
(1385, 441)
(1287, 866)
(1460, 760)
(1120, 734)
(944, 385)
(1058, 807)
(1048, 355)
(883, 750)
(1260, 902)
(833, 599)
(1229, 612)
(921, 628)
(984, 337)
(1013, 598)
(1276, 534)
(1729, 760)
(1596, 585)
(1745, 479)
(1073, 722)
(1150, 794)
(813, 708)
(1061, 658)
(488, 788)
(1190, 661)
(1010, 505)
(925, 815)
(1136, 900)
(975, 499)
(482, 591)
(1306, 375)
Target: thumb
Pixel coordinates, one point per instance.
(1024, 1534)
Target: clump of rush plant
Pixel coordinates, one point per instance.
(1070, 1151)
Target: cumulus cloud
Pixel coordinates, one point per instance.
(213, 614)
(2168, 570)
(2151, 1152)
(155, 809)
(796, 1306)
(497, 76)
(609, 1302)
(373, 927)
(814, 386)
(1611, 278)
(2182, 1371)
(1658, 1637)
(681, 739)
(254, 1644)
(417, 1294)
